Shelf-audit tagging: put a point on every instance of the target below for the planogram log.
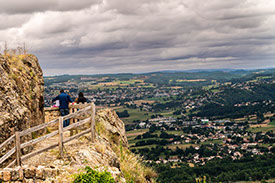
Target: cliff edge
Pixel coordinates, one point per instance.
(109, 152)
(21, 94)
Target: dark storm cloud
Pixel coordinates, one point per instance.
(31, 6)
(142, 35)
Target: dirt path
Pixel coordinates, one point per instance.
(51, 156)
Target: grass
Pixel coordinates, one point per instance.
(266, 145)
(190, 80)
(215, 90)
(137, 131)
(133, 141)
(262, 129)
(146, 146)
(272, 123)
(218, 141)
(132, 81)
(174, 132)
(131, 135)
(135, 114)
(181, 146)
(160, 99)
(119, 83)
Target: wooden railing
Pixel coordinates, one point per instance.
(61, 141)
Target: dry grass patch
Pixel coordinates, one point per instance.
(138, 102)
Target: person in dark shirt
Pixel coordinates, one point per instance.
(64, 100)
(81, 98)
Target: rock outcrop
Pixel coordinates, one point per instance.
(109, 152)
(21, 94)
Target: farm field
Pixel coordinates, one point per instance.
(263, 127)
(181, 146)
(136, 114)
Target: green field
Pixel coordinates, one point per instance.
(158, 132)
(129, 82)
(270, 126)
(181, 146)
(141, 147)
(272, 123)
(131, 135)
(261, 129)
(136, 114)
(212, 142)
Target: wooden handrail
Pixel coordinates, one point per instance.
(76, 136)
(8, 141)
(61, 141)
(7, 155)
(71, 106)
(34, 141)
(39, 127)
(77, 113)
(82, 122)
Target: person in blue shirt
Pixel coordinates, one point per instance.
(64, 100)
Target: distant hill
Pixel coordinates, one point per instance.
(165, 77)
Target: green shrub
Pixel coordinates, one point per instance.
(93, 176)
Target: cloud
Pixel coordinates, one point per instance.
(135, 36)
(31, 6)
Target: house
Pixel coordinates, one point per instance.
(204, 120)
(142, 125)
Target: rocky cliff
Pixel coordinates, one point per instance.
(21, 94)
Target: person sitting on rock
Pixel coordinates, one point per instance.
(64, 100)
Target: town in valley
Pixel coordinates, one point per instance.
(190, 117)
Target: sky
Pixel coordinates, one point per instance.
(136, 36)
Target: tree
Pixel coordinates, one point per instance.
(123, 114)
(152, 128)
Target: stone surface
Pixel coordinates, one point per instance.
(21, 96)
(48, 172)
(30, 172)
(28, 181)
(113, 125)
(21, 174)
(6, 175)
(1, 176)
(40, 173)
(15, 174)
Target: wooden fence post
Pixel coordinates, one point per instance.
(18, 148)
(93, 123)
(60, 140)
(71, 122)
